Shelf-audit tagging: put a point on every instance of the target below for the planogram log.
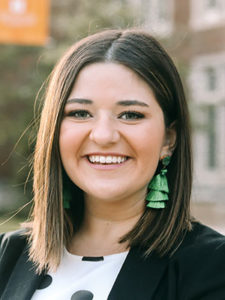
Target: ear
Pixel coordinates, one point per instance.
(169, 140)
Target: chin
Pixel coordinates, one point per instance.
(106, 195)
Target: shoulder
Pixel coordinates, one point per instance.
(12, 246)
(202, 239)
(13, 236)
(199, 263)
(12, 242)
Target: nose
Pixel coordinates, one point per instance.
(104, 132)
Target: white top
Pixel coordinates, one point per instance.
(79, 277)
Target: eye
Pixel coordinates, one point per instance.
(80, 114)
(131, 115)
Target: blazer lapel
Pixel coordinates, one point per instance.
(23, 281)
(139, 277)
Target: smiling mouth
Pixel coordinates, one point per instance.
(107, 160)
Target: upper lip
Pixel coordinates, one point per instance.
(106, 154)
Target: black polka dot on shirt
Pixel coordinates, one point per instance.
(82, 295)
(46, 281)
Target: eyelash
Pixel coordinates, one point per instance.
(84, 114)
(76, 112)
(133, 115)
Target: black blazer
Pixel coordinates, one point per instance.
(195, 272)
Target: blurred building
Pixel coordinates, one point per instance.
(194, 33)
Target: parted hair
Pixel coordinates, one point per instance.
(52, 226)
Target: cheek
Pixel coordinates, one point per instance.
(68, 142)
(153, 144)
(64, 141)
(150, 140)
(148, 146)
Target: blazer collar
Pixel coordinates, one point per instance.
(138, 276)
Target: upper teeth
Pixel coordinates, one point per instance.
(107, 159)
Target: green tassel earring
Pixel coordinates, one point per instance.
(158, 188)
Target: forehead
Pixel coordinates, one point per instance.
(111, 79)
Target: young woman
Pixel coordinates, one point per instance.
(112, 184)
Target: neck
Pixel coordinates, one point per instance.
(105, 222)
(114, 209)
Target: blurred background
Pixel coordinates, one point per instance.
(193, 33)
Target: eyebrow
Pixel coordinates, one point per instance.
(132, 102)
(80, 101)
(121, 103)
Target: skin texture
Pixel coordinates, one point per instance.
(115, 194)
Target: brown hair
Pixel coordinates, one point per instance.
(159, 230)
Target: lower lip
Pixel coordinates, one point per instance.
(108, 166)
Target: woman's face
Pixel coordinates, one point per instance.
(112, 134)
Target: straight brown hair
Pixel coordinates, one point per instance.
(159, 230)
